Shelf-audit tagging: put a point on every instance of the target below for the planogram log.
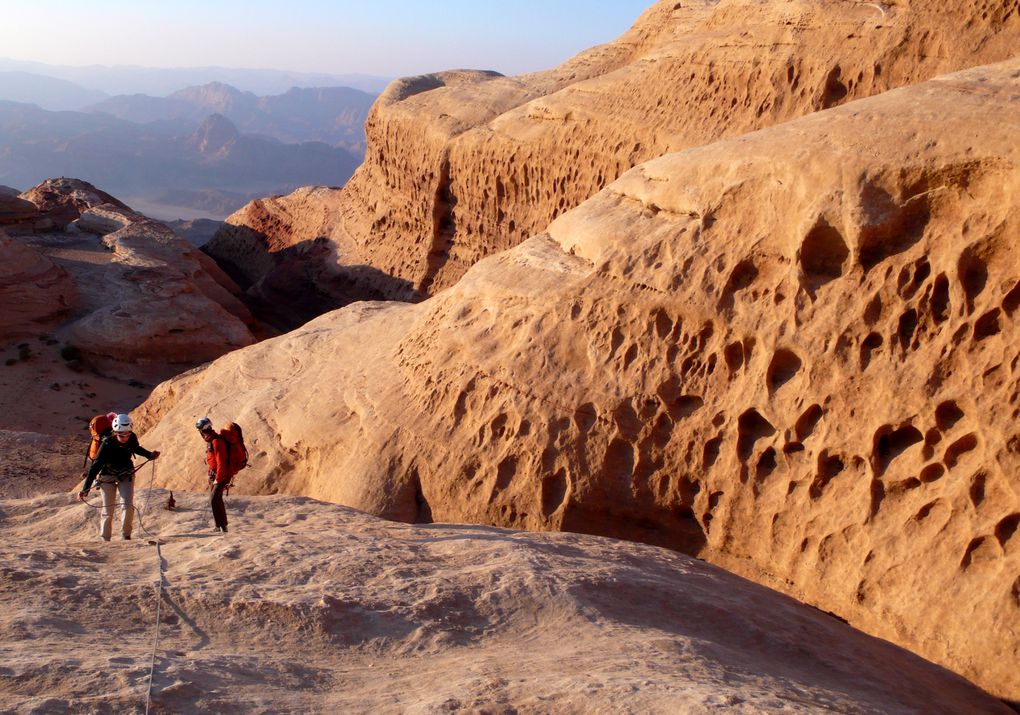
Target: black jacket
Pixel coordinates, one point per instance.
(115, 459)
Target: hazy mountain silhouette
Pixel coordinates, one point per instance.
(334, 115)
(159, 81)
(206, 165)
(47, 92)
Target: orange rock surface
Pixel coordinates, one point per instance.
(792, 353)
(461, 165)
(34, 292)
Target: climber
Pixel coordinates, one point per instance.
(220, 465)
(113, 469)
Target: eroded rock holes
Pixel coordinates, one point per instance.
(784, 366)
(947, 414)
(973, 275)
(807, 422)
(955, 451)
(890, 443)
(823, 254)
(751, 427)
(554, 491)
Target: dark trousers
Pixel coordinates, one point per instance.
(219, 511)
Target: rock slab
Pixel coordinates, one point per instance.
(792, 353)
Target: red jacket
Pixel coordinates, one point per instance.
(217, 459)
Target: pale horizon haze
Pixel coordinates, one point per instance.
(393, 39)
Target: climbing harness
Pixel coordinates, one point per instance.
(138, 511)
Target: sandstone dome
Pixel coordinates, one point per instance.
(791, 353)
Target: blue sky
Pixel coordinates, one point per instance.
(399, 37)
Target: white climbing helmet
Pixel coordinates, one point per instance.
(121, 424)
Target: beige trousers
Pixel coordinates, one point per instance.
(127, 498)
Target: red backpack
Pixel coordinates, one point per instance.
(99, 426)
(237, 453)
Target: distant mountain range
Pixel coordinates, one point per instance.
(334, 115)
(211, 166)
(47, 92)
(204, 150)
(158, 81)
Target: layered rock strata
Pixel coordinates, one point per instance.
(792, 353)
(16, 213)
(34, 293)
(461, 165)
(164, 303)
(123, 290)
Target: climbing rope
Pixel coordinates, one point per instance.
(159, 591)
(160, 587)
(155, 640)
(138, 511)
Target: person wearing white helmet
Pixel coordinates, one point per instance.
(114, 471)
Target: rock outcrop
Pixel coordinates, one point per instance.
(34, 293)
(16, 213)
(278, 250)
(61, 201)
(461, 165)
(790, 352)
(313, 607)
(92, 316)
(105, 218)
(165, 302)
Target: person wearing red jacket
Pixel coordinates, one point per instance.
(218, 461)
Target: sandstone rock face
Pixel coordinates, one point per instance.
(34, 293)
(464, 164)
(277, 249)
(105, 218)
(63, 200)
(141, 301)
(16, 212)
(162, 306)
(792, 353)
(313, 607)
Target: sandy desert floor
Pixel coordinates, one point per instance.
(313, 607)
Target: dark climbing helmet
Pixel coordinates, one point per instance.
(204, 424)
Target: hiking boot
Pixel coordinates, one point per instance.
(126, 537)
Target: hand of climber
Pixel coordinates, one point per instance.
(82, 494)
(155, 455)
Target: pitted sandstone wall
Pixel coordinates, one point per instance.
(793, 353)
(461, 165)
